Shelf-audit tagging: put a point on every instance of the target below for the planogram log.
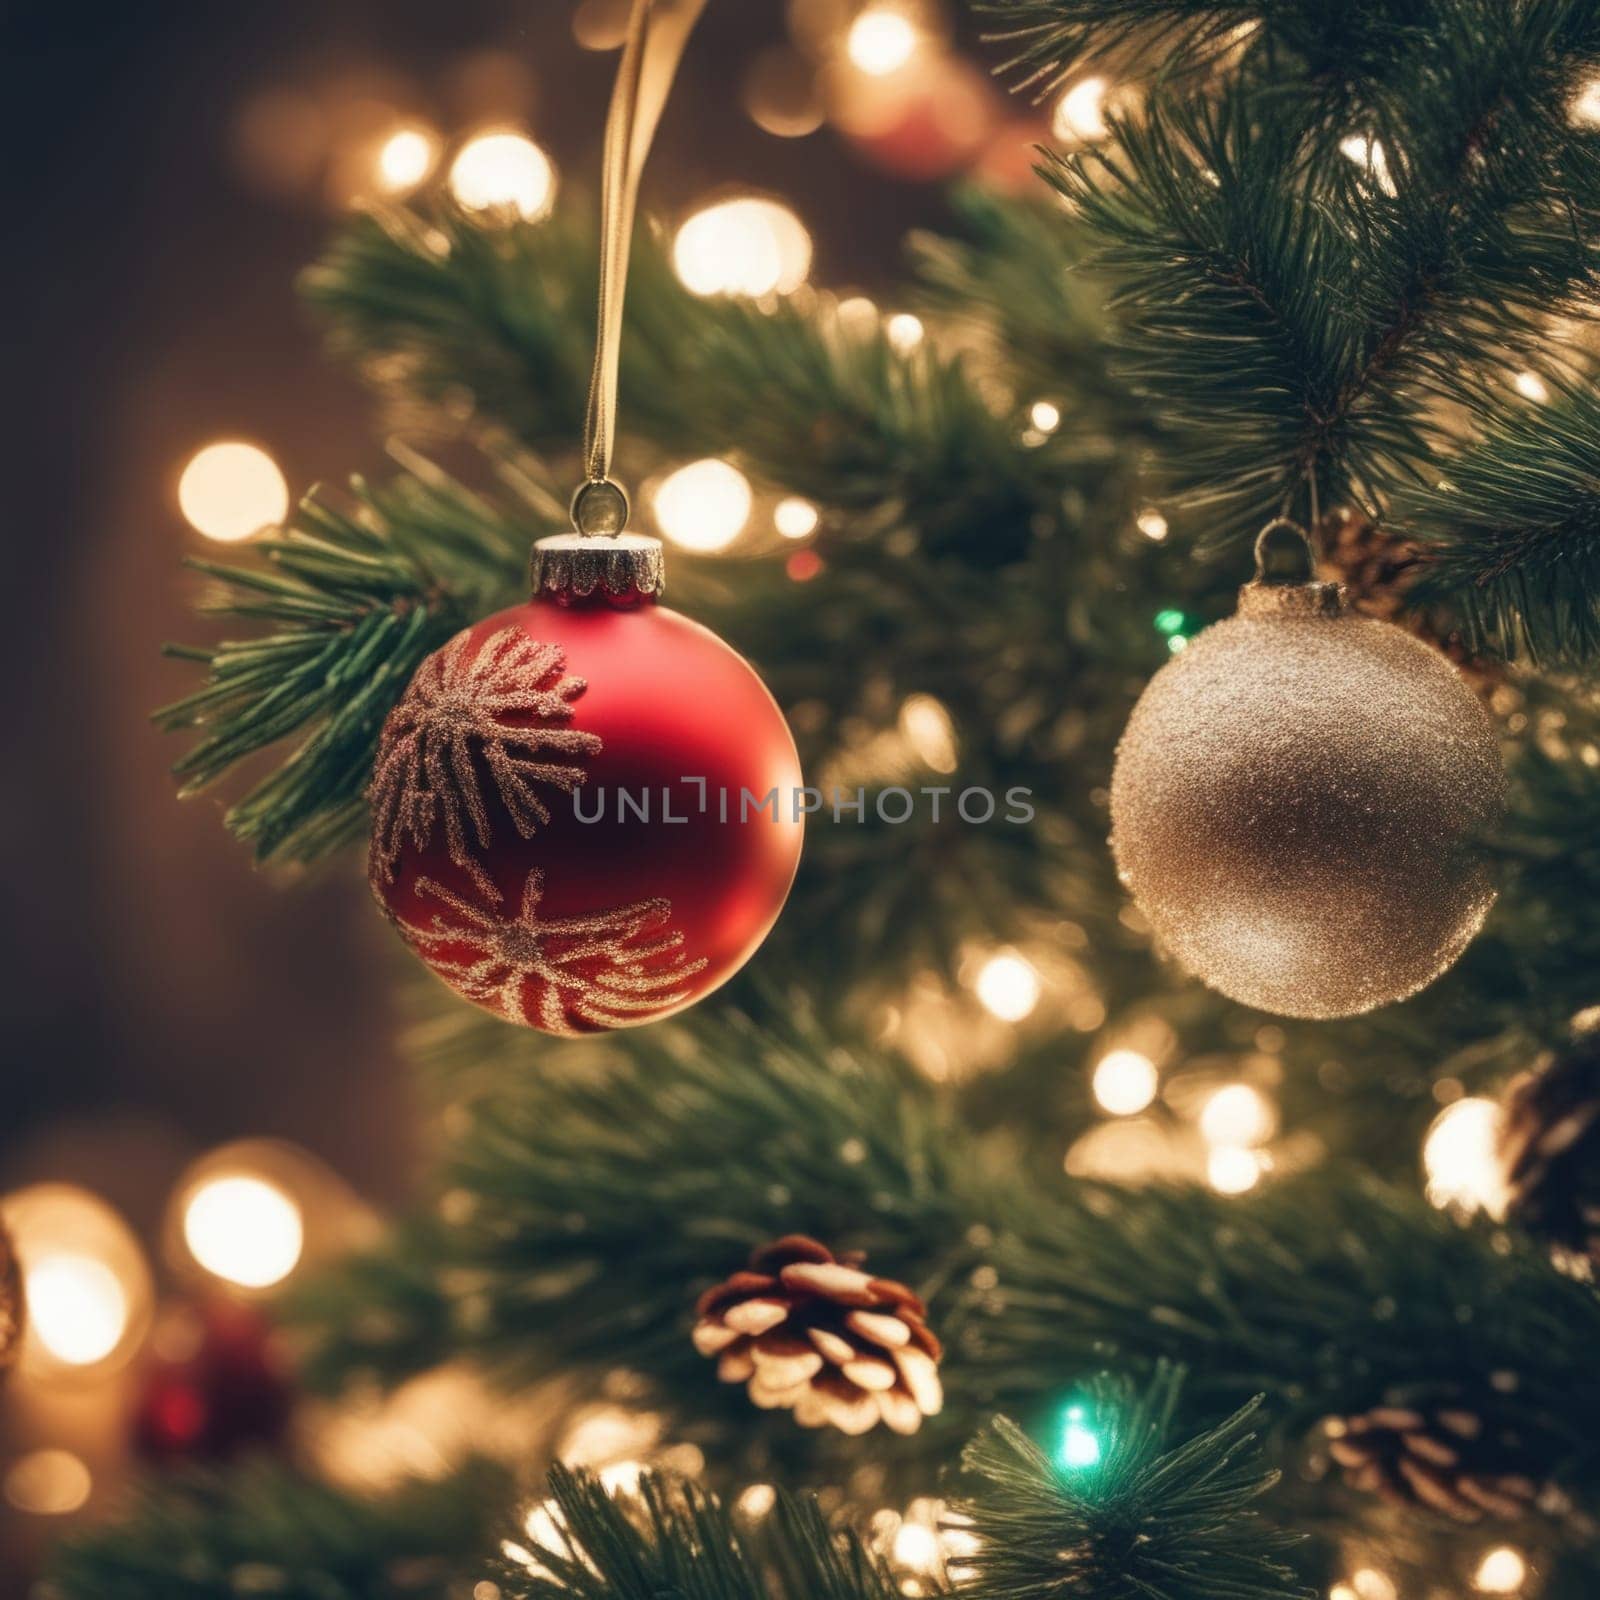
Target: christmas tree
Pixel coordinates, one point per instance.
(808, 1245)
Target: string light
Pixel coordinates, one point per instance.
(1152, 524)
(1502, 1571)
(48, 1483)
(1045, 415)
(504, 172)
(1080, 112)
(881, 40)
(925, 725)
(750, 246)
(244, 1230)
(1531, 387)
(1080, 1446)
(1368, 154)
(231, 490)
(1459, 1157)
(904, 331)
(1586, 107)
(1125, 1082)
(405, 159)
(1238, 1114)
(1008, 986)
(795, 518)
(1232, 1169)
(1370, 1584)
(84, 1278)
(703, 506)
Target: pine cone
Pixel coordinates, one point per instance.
(1550, 1150)
(1441, 1457)
(1377, 567)
(811, 1332)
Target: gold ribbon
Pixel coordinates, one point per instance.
(658, 30)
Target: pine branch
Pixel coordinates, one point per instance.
(262, 1529)
(349, 604)
(674, 1538)
(1144, 1517)
(1327, 1291)
(1512, 534)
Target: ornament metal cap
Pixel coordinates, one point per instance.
(1286, 582)
(625, 566)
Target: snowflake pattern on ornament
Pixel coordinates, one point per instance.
(425, 773)
(606, 969)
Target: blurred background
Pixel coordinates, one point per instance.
(202, 1088)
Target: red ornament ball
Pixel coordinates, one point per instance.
(585, 812)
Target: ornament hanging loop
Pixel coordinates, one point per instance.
(1284, 554)
(658, 30)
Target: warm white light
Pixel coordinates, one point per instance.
(926, 727)
(1370, 1584)
(504, 171)
(1502, 1571)
(48, 1483)
(1045, 416)
(1008, 986)
(1080, 112)
(245, 1230)
(916, 1547)
(1369, 155)
(1531, 387)
(1152, 524)
(748, 246)
(1586, 108)
(795, 518)
(231, 490)
(1459, 1156)
(77, 1307)
(1125, 1082)
(1239, 1115)
(703, 506)
(881, 40)
(904, 331)
(1231, 1169)
(406, 157)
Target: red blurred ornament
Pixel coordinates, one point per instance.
(215, 1386)
(585, 807)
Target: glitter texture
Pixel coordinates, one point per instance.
(505, 705)
(1297, 807)
(566, 976)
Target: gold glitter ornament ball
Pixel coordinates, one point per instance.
(1297, 806)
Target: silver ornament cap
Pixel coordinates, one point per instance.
(1300, 799)
(599, 556)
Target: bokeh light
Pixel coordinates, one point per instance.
(231, 490)
(925, 725)
(1045, 415)
(1369, 155)
(881, 40)
(244, 1229)
(1232, 1169)
(405, 159)
(1502, 1571)
(85, 1279)
(1008, 986)
(504, 171)
(703, 506)
(1531, 387)
(904, 331)
(795, 518)
(1238, 1114)
(1459, 1157)
(48, 1483)
(748, 246)
(1080, 113)
(1152, 524)
(1125, 1082)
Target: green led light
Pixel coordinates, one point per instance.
(1169, 621)
(1080, 1447)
